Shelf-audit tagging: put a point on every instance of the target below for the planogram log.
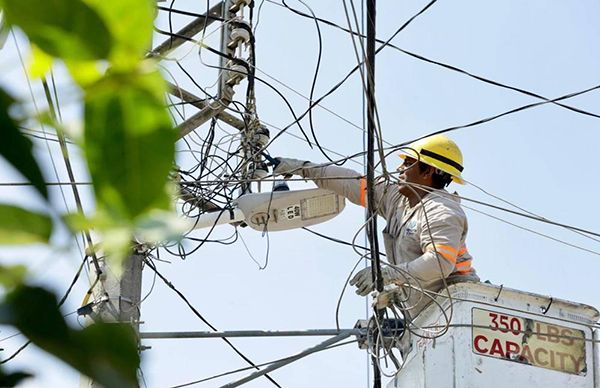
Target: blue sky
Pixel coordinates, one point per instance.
(543, 159)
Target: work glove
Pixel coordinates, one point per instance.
(288, 166)
(364, 282)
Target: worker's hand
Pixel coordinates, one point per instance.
(364, 282)
(288, 166)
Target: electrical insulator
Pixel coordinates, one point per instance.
(239, 4)
(261, 171)
(239, 35)
(235, 73)
(261, 137)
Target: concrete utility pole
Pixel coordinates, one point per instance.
(117, 298)
(120, 296)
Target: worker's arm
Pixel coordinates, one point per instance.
(343, 181)
(440, 238)
(354, 187)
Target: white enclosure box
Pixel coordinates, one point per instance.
(500, 337)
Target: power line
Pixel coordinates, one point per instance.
(55, 113)
(259, 365)
(444, 65)
(60, 303)
(197, 314)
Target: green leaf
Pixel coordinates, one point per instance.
(129, 143)
(40, 64)
(107, 353)
(34, 311)
(68, 29)
(84, 72)
(20, 226)
(12, 379)
(116, 235)
(159, 225)
(16, 148)
(131, 30)
(12, 276)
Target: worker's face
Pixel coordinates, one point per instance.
(411, 173)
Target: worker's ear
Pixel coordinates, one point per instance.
(428, 173)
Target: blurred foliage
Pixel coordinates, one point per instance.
(68, 29)
(105, 352)
(129, 143)
(131, 31)
(12, 379)
(16, 148)
(21, 226)
(11, 276)
(129, 147)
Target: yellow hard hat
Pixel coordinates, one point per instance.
(440, 152)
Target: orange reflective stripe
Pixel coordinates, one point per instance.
(448, 252)
(440, 247)
(363, 192)
(451, 258)
(447, 248)
(462, 250)
(464, 266)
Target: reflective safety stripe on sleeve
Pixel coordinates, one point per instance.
(363, 192)
(446, 251)
(464, 266)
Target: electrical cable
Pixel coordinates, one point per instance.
(365, 83)
(371, 216)
(43, 127)
(336, 240)
(259, 365)
(208, 166)
(60, 303)
(534, 232)
(525, 214)
(444, 65)
(258, 16)
(314, 81)
(340, 83)
(511, 111)
(573, 229)
(475, 123)
(41, 137)
(71, 175)
(199, 316)
(170, 9)
(214, 51)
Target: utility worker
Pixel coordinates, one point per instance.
(426, 227)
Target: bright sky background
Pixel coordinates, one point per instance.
(543, 159)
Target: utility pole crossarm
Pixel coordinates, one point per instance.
(189, 31)
(186, 96)
(208, 112)
(227, 78)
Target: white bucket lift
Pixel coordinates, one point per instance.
(501, 337)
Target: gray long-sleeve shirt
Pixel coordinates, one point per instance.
(414, 234)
